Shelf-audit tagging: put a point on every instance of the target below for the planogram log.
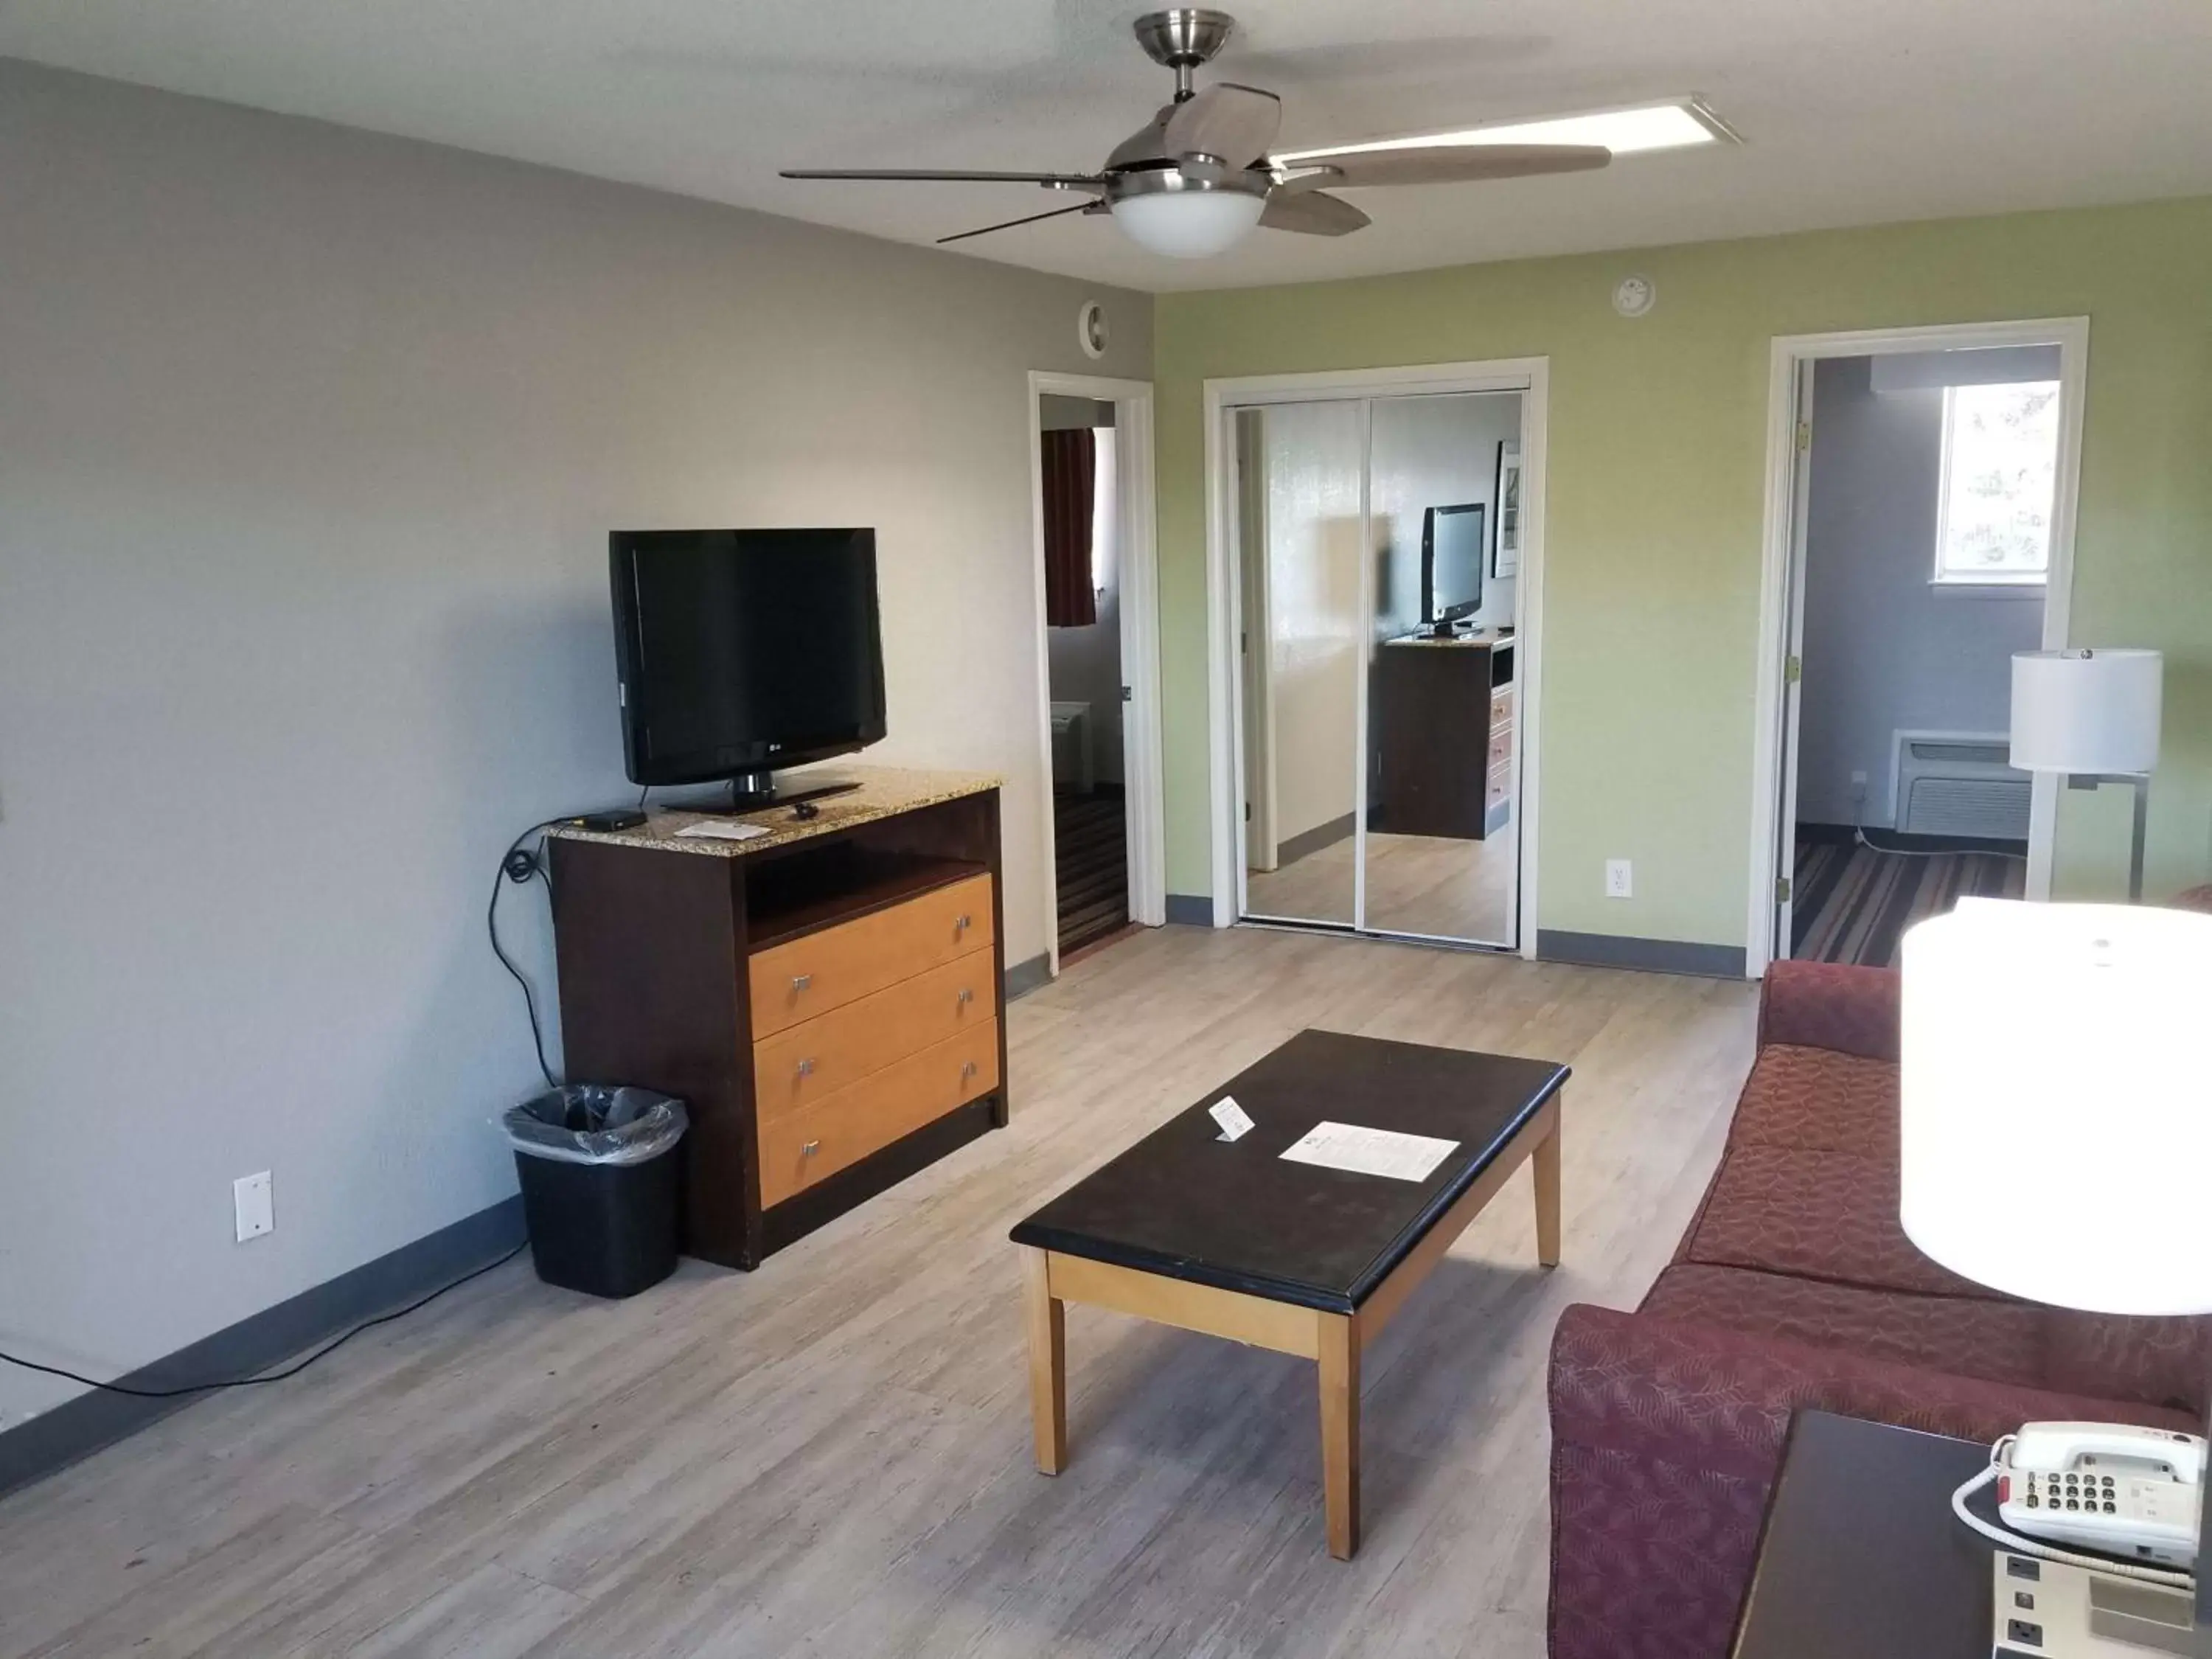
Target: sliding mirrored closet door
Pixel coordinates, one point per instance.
(1378, 543)
(1302, 515)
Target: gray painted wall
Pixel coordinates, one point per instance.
(309, 443)
(1886, 650)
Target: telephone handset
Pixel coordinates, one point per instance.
(2135, 1493)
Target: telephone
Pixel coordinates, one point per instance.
(2131, 1492)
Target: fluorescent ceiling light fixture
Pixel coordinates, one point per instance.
(1673, 124)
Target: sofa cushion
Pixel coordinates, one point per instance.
(1831, 1005)
(1995, 1341)
(1818, 1214)
(1818, 1100)
(2160, 1362)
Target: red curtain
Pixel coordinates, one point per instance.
(1070, 471)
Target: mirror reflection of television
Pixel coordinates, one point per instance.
(744, 651)
(1452, 549)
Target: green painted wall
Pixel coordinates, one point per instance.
(1656, 461)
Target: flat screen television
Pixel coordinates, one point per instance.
(1451, 563)
(742, 651)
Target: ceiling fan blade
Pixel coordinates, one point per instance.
(1438, 164)
(1233, 123)
(908, 175)
(1311, 213)
(1028, 219)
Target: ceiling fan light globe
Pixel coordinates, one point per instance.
(1188, 224)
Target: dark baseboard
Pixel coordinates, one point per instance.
(1190, 910)
(1656, 955)
(1024, 977)
(1307, 842)
(79, 1427)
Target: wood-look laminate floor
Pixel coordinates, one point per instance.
(1431, 884)
(832, 1456)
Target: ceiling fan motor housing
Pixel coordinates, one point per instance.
(1183, 40)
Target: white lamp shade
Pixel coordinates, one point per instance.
(1188, 224)
(2086, 711)
(2057, 1097)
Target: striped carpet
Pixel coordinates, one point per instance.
(1851, 903)
(1091, 858)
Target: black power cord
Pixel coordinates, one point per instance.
(273, 1376)
(522, 864)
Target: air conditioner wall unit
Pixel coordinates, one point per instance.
(1959, 783)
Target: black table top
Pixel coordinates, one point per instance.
(1861, 1555)
(1239, 1216)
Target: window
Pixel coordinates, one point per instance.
(1999, 481)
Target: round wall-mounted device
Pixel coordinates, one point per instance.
(1090, 329)
(1634, 296)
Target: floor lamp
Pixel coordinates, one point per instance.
(2056, 1117)
(2091, 716)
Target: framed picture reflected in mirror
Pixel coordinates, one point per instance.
(1506, 543)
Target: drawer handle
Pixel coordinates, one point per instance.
(960, 924)
(810, 1149)
(967, 1070)
(806, 1068)
(967, 996)
(800, 982)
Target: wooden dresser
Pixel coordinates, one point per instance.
(1442, 734)
(828, 998)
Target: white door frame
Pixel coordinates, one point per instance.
(1791, 360)
(1137, 576)
(1531, 378)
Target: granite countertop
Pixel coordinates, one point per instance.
(1483, 636)
(883, 791)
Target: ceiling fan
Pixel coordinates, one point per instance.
(1198, 177)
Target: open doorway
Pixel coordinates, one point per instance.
(1083, 650)
(1097, 658)
(1930, 486)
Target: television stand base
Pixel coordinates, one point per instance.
(756, 792)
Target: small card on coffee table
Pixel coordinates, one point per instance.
(1370, 1151)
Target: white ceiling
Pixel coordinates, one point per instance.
(1853, 112)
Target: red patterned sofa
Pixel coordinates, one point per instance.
(1795, 1287)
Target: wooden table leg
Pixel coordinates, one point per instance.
(1047, 1323)
(1543, 1162)
(1339, 1430)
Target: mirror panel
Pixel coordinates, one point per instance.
(1442, 844)
(1299, 478)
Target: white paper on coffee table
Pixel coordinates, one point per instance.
(1370, 1151)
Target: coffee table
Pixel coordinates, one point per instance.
(1232, 1239)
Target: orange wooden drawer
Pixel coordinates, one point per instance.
(841, 964)
(814, 1059)
(800, 1147)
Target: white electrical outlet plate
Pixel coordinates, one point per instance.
(255, 1202)
(1620, 879)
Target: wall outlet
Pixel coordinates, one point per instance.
(1620, 879)
(252, 1197)
(1858, 786)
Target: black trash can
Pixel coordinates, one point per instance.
(601, 1185)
